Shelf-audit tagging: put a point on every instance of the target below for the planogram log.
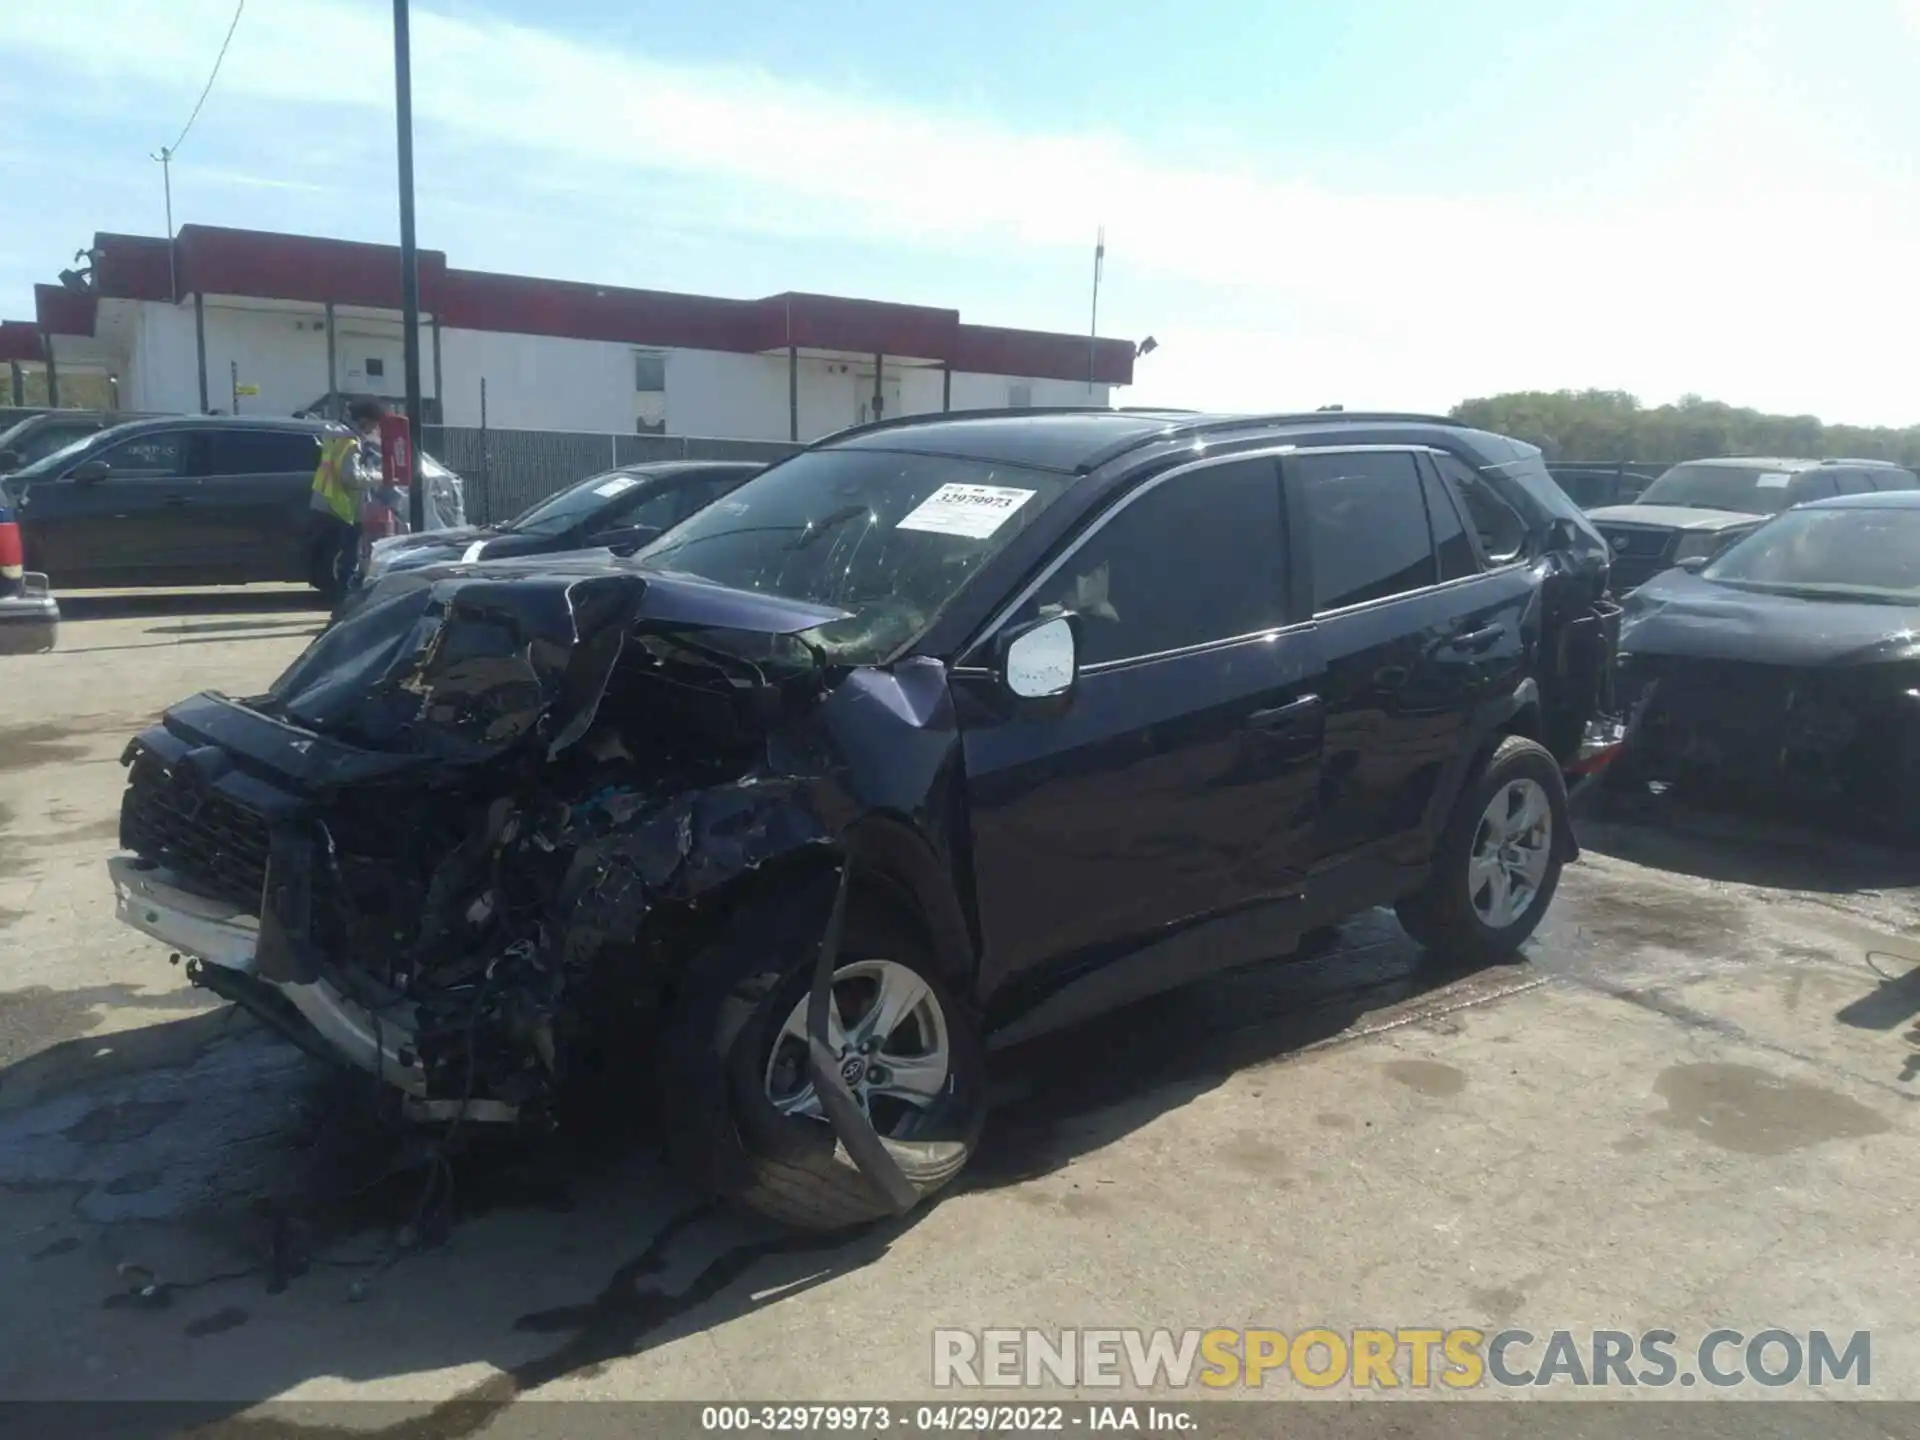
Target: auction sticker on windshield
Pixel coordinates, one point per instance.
(1772, 480)
(975, 511)
(619, 485)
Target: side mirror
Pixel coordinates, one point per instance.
(88, 471)
(1561, 535)
(1693, 564)
(1039, 660)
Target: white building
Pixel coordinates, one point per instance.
(269, 324)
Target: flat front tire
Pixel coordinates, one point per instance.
(739, 1112)
(1498, 861)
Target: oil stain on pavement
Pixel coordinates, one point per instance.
(1751, 1112)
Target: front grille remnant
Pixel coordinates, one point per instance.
(217, 844)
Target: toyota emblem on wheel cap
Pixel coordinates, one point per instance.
(852, 1069)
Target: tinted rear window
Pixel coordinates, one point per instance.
(1367, 526)
(261, 452)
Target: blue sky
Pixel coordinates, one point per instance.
(1391, 203)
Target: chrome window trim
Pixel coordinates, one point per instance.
(1009, 609)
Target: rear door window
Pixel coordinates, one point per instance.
(261, 452)
(1852, 482)
(161, 455)
(1895, 480)
(697, 496)
(1450, 540)
(1367, 526)
(1502, 533)
(1811, 485)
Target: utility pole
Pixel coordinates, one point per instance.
(1093, 326)
(409, 260)
(165, 157)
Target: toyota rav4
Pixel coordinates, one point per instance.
(943, 731)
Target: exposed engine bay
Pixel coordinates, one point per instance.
(474, 889)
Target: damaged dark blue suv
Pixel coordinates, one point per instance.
(945, 730)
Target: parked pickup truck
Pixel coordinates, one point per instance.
(1696, 509)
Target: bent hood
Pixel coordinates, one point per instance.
(461, 663)
(1673, 517)
(1684, 615)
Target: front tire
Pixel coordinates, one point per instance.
(739, 1116)
(1498, 862)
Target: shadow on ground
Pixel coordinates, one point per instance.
(224, 1191)
(139, 604)
(1743, 847)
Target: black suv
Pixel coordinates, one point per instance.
(182, 500)
(1699, 507)
(941, 730)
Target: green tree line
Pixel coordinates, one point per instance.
(1613, 425)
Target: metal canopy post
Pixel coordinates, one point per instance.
(409, 253)
(333, 364)
(200, 343)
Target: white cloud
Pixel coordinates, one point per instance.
(1684, 265)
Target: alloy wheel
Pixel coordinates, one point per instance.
(1512, 846)
(888, 1032)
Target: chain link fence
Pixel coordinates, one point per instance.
(505, 471)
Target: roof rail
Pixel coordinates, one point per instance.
(1204, 424)
(933, 417)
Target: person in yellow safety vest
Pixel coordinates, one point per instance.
(340, 485)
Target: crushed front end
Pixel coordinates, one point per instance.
(468, 835)
(1843, 737)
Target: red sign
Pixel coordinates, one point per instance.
(396, 451)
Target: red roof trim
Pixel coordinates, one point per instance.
(64, 312)
(20, 340)
(213, 260)
(990, 350)
(132, 267)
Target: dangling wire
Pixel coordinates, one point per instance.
(173, 149)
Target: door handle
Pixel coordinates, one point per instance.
(1278, 715)
(176, 500)
(1483, 638)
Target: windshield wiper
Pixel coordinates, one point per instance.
(1818, 592)
(818, 528)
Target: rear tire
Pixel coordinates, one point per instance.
(1498, 862)
(722, 1049)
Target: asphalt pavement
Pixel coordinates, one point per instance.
(1688, 1108)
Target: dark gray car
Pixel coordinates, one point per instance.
(180, 500)
(38, 436)
(620, 510)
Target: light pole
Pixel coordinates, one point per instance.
(409, 262)
(1093, 325)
